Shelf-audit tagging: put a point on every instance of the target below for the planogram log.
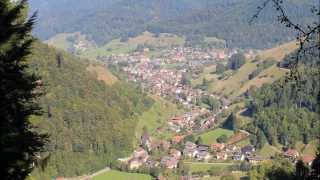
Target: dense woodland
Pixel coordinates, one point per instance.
(287, 111)
(105, 20)
(90, 123)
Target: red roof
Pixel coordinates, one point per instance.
(291, 153)
(307, 158)
(177, 139)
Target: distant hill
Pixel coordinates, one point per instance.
(105, 20)
(90, 115)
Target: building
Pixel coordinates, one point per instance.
(255, 159)
(203, 156)
(190, 150)
(247, 150)
(169, 162)
(175, 153)
(218, 147)
(221, 156)
(307, 159)
(291, 153)
(238, 156)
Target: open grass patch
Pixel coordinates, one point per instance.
(118, 175)
(211, 136)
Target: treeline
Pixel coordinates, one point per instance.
(90, 123)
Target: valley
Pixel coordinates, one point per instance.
(159, 89)
(187, 128)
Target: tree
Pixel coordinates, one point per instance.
(315, 167)
(236, 61)
(220, 68)
(20, 143)
(231, 122)
(59, 60)
(222, 139)
(199, 141)
(301, 170)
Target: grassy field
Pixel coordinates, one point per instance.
(117, 175)
(309, 149)
(147, 39)
(267, 150)
(211, 136)
(236, 83)
(204, 167)
(156, 117)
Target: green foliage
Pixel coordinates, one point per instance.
(222, 139)
(193, 19)
(91, 124)
(211, 102)
(21, 142)
(279, 169)
(236, 61)
(220, 69)
(287, 111)
(232, 122)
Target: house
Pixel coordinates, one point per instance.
(139, 157)
(231, 148)
(203, 148)
(190, 149)
(255, 159)
(135, 163)
(307, 159)
(247, 150)
(169, 162)
(203, 156)
(221, 156)
(238, 156)
(175, 153)
(291, 153)
(177, 139)
(218, 147)
(165, 145)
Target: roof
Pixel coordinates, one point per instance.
(307, 158)
(177, 139)
(247, 149)
(291, 152)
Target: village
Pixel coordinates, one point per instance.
(165, 76)
(168, 76)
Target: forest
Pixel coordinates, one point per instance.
(90, 123)
(287, 111)
(103, 21)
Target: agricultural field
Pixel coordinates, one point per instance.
(211, 136)
(117, 175)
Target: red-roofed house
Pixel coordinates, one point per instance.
(307, 159)
(291, 153)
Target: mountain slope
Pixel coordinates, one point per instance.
(89, 122)
(103, 21)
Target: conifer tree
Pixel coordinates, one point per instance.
(20, 143)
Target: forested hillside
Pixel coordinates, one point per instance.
(103, 21)
(90, 123)
(287, 111)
